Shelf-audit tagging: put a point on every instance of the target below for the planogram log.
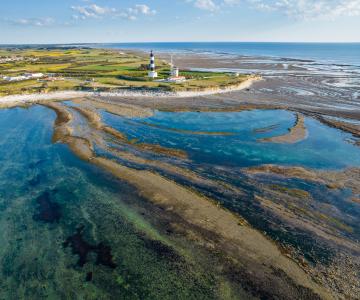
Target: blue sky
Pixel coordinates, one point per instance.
(73, 21)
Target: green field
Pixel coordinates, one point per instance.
(97, 69)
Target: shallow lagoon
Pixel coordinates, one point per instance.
(233, 138)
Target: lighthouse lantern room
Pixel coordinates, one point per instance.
(152, 73)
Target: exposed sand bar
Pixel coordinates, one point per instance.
(63, 133)
(294, 172)
(296, 133)
(120, 109)
(347, 178)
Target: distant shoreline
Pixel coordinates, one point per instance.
(13, 100)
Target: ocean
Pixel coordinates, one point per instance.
(327, 53)
(330, 53)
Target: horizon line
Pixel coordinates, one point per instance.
(179, 42)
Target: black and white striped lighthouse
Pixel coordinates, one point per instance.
(152, 72)
(152, 61)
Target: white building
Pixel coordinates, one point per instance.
(174, 73)
(36, 75)
(14, 78)
(26, 76)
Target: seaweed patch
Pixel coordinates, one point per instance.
(82, 248)
(104, 256)
(162, 250)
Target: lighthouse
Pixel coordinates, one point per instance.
(174, 74)
(174, 71)
(152, 72)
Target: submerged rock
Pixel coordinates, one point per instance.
(48, 211)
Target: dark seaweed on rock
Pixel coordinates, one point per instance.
(47, 210)
(259, 286)
(104, 256)
(89, 276)
(162, 250)
(79, 246)
(82, 248)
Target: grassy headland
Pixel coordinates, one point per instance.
(98, 69)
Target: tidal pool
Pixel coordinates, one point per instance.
(234, 138)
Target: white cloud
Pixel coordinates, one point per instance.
(96, 11)
(139, 9)
(38, 22)
(231, 2)
(209, 5)
(92, 11)
(144, 9)
(299, 9)
(206, 4)
(311, 9)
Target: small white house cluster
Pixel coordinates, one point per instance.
(7, 59)
(26, 76)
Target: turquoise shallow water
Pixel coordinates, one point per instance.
(325, 147)
(71, 231)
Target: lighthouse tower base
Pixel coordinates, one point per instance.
(153, 74)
